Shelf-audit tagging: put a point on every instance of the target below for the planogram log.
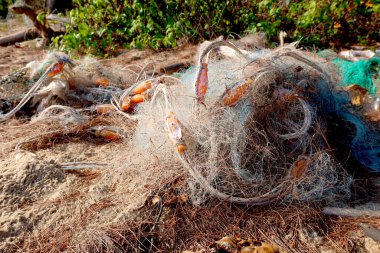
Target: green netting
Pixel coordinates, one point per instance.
(364, 73)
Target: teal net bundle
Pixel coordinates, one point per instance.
(364, 73)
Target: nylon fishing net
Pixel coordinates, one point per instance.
(247, 126)
(267, 146)
(250, 127)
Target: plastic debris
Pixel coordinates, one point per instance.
(130, 102)
(51, 67)
(357, 55)
(58, 60)
(56, 88)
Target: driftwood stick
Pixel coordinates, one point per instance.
(174, 67)
(351, 212)
(19, 37)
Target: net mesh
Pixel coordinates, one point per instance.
(270, 145)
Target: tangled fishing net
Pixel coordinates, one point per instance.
(249, 127)
(144, 156)
(244, 128)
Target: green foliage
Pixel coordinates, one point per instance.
(101, 26)
(321, 22)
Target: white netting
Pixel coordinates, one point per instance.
(262, 149)
(240, 121)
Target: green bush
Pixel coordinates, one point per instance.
(101, 26)
(321, 22)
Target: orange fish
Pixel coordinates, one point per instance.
(202, 84)
(236, 92)
(57, 68)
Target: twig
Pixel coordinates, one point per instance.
(351, 212)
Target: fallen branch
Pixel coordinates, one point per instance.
(351, 212)
(19, 37)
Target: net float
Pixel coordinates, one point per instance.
(130, 102)
(174, 127)
(126, 105)
(236, 92)
(175, 132)
(57, 68)
(181, 148)
(201, 85)
(104, 109)
(102, 82)
(138, 98)
(142, 87)
(299, 168)
(106, 132)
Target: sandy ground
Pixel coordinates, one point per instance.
(12, 58)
